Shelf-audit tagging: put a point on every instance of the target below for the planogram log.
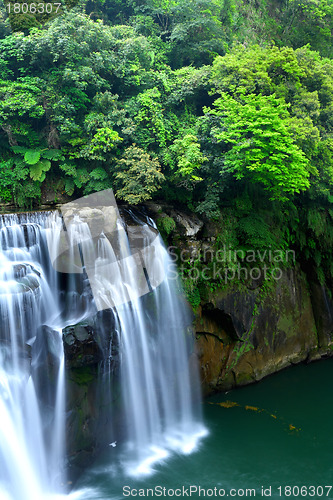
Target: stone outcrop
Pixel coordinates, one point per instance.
(322, 305)
(89, 362)
(243, 336)
(246, 332)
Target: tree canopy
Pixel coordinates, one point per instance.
(211, 104)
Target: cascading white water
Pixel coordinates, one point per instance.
(126, 269)
(130, 271)
(29, 463)
(161, 404)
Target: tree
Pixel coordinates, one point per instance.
(262, 148)
(64, 101)
(303, 80)
(137, 176)
(307, 22)
(188, 159)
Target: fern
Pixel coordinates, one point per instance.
(37, 171)
(27, 195)
(255, 232)
(166, 225)
(31, 157)
(69, 186)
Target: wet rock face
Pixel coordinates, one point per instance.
(25, 276)
(190, 225)
(247, 332)
(92, 373)
(81, 347)
(101, 219)
(321, 299)
(242, 337)
(87, 343)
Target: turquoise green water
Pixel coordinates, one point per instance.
(277, 433)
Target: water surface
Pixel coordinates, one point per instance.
(276, 433)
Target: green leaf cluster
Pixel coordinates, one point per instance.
(137, 176)
(262, 148)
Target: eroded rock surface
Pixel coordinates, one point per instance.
(272, 332)
(92, 394)
(245, 332)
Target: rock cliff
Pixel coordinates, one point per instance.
(245, 331)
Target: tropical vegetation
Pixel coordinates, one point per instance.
(221, 106)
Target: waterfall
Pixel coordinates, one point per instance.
(126, 269)
(30, 465)
(130, 272)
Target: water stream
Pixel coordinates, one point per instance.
(104, 270)
(31, 461)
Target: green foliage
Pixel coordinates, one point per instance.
(80, 178)
(192, 32)
(24, 15)
(254, 232)
(15, 183)
(166, 225)
(21, 97)
(27, 195)
(31, 157)
(210, 206)
(37, 166)
(103, 141)
(18, 169)
(188, 157)
(137, 176)
(309, 21)
(5, 194)
(38, 161)
(317, 222)
(230, 113)
(243, 204)
(147, 112)
(262, 146)
(37, 171)
(192, 292)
